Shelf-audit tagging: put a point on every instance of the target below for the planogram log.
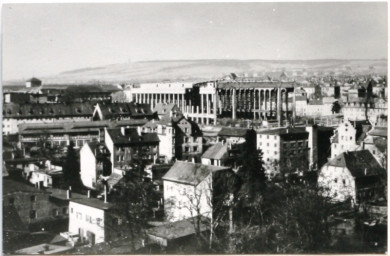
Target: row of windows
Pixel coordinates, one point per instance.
(187, 149)
(268, 136)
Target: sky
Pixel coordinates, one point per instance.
(46, 39)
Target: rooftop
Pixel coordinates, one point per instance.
(179, 229)
(191, 173)
(93, 202)
(217, 151)
(44, 249)
(358, 162)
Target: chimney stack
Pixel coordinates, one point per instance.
(105, 193)
(89, 193)
(68, 194)
(123, 130)
(365, 171)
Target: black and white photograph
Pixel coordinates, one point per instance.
(194, 128)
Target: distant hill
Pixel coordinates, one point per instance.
(194, 70)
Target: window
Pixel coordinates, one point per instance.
(186, 149)
(267, 144)
(195, 148)
(33, 198)
(344, 182)
(275, 145)
(267, 136)
(335, 180)
(33, 214)
(55, 212)
(71, 210)
(350, 138)
(275, 137)
(65, 210)
(11, 201)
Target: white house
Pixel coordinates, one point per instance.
(348, 136)
(351, 176)
(188, 190)
(92, 220)
(94, 162)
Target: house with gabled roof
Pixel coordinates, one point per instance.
(348, 136)
(190, 189)
(354, 175)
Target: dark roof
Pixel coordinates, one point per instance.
(52, 110)
(164, 108)
(131, 137)
(113, 110)
(379, 131)
(357, 162)
(99, 150)
(33, 79)
(62, 194)
(216, 151)
(12, 186)
(291, 133)
(150, 137)
(233, 132)
(190, 173)
(93, 202)
(179, 229)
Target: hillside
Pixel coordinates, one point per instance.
(192, 70)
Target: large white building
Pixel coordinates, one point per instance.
(284, 149)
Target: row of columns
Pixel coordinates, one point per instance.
(154, 98)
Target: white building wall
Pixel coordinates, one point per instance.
(338, 183)
(185, 201)
(88, 219)
(87, 167)
(346, 139)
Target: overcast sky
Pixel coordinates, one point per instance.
(45, 39)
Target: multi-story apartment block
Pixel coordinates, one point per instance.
(285, 150)
(15, 114)
(127, 147)
(166, 133)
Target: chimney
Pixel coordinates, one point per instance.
(89, 193)
(123, 131)
(105, 193)
(68, 194)
(365, 171)
(193, 160)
